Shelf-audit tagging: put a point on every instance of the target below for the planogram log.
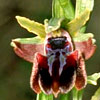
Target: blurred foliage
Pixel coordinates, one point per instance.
(15, 72)
(96, 96)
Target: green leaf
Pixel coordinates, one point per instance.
(83, 37)
(43, 96)
(75, 25)
(92, 79)
(81, 5)
(96, 95)
(32, 26)
(53, 24)
(34, 40)
(62, 8)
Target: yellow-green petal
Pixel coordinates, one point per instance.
(75, 25)
(32, 26)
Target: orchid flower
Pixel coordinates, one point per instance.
(59, 49)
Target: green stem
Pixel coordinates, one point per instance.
(77, 95)
(65, 96)
(43, 96)
(80, 94)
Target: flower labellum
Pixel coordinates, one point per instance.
(60, 69)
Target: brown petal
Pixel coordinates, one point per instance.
(87, 48)
(27, 51)
(81, 78)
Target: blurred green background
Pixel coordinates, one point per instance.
(14, 71)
